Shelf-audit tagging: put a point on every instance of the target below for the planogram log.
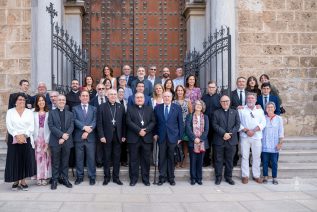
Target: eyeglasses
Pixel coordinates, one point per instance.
(122, 79)
(153, 69)
(252, 115)
(211, 87)
(225, 101)
(99, 89)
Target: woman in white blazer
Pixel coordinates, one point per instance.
(41, 137)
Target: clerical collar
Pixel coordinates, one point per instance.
(111, 104)
(140, 106)
(225, 110)
(60, 109)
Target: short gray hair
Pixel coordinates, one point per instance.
(203, 105)
(251, 94)
(270, 103)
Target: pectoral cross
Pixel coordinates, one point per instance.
(113, 122)
(142, 122)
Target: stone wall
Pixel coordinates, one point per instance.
(279, 38)
(15, 49)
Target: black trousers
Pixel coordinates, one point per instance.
(124, 152)
(112, 152)
(196, 165)
(140, 154)
(224, 154)
(209, 154)
(60, 161)
(236, 153)
(166, 160)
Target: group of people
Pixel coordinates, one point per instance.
(135, 120)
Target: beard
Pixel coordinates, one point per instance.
(166, 75)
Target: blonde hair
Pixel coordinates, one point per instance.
(154, 91)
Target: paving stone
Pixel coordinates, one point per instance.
(66, 197)
(215, 207)
(283, 195)
(311, 193)
(121, 197)
(30, 206)
(153, 207)
(96, 189)
(278, 206)
(141, 189)
(311, 204)
(176, 198)
(291, 187)
(18, 195)
(223, 197)
(93, 207)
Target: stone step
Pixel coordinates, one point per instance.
(285, 171)
(300, 146)
(303, 139)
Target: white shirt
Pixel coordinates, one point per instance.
(151, 79)
(178, 81)
(20, 125)
(99, 99)
(243, 95)
(251, 119)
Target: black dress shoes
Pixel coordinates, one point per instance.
(230, 181)
(192, 182)
(218, 181)
(199, 182)
(53, 185)
(67, 183)
(132, 183)
(172, 182)
(99, 165)
(105, 181)
(146, 183)
(92, 181)
(60, 180)
(117, 181)
(160, 182)
(78, 181)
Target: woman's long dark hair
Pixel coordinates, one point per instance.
(256, 86)
(103, 71)
(37, 99)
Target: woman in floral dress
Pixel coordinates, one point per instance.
(41, 137)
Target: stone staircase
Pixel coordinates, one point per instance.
(298, 158)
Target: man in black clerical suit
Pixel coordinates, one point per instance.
(226, 124)
(61, 124)
(140, 125)
(72, 98)
(111, 131)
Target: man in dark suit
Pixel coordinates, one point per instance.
(140, 126)
(238, 98)
(226, 124)
(85, 138)
(212, 101)
(126, 70)
(42, 89)
(152, 78)
(72, 98)
(266, 97)
(169, 132)
(148, 88)
(96, 102)
(61, 124)
(140, 89)
(111, 131)
(24, 88)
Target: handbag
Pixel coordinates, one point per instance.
(199, 148)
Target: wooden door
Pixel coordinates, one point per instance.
(134, 32)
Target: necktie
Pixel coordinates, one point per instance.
(265, 101)
(240, 98)
(101, 100)
(166, 112)
(85, 111)
(127, 78)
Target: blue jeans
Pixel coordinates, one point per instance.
(268, 157)
(196, 165)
